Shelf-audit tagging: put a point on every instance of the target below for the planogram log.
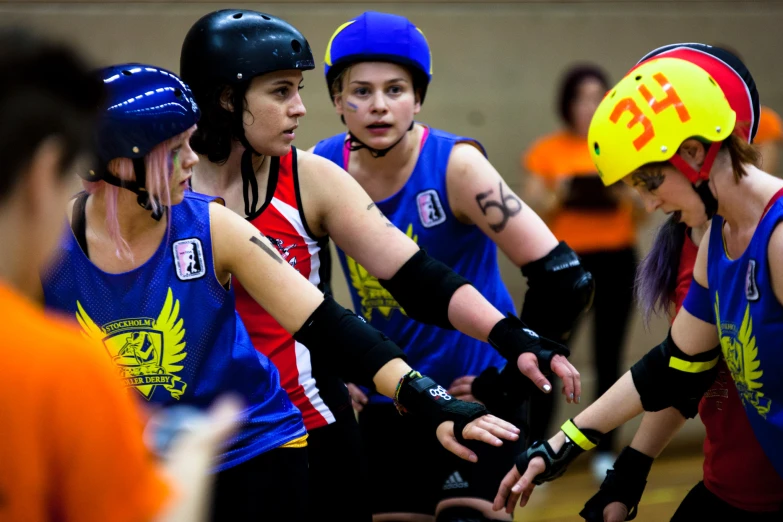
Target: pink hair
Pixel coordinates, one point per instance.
(159, 169)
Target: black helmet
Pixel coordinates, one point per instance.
(233, 45)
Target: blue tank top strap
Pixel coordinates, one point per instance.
(332, 149)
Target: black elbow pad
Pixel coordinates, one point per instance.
(666, 376)
(423, 287)
(345, 343)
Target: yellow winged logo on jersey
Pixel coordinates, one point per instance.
(741, 355)
(374, 296)
(145, 351)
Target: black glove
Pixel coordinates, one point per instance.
(421, 397)
(506, 388)
(625, 483)
(511, 338)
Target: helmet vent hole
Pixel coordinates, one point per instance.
(296, 46)
(265, 17)
(126, 72)
(712, 81)
(596, 148)
(638, 78)
(237, 16)
(178, 93)
(613, 94)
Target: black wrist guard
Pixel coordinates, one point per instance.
(420, 396)
(512, 338)
(577, 442)
(624, 483)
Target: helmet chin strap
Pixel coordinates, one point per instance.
(249, 181)
(703, 175)
(355, 144)
(138, 187)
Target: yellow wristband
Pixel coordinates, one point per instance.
(573, 433)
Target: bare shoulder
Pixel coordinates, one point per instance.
(312, 165)
(465, 155)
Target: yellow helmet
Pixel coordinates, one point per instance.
(651, 111)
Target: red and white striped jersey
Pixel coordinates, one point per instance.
(281, 220)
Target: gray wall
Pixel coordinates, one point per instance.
(495, 68)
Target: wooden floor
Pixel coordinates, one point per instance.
(670, 479)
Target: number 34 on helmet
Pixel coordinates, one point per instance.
(651, 112)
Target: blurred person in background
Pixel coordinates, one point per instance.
(598, 222)
(71, 447)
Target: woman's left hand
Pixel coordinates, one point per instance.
(487, 428)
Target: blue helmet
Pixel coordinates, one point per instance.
(379, 37)
(145, 106)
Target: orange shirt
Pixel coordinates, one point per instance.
(70, 440)
(770, 127)
(562, 155)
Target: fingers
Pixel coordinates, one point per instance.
(615, 512)
(478, 430)
(498, 427)
(465, 379)
(445, 434)
(504, 490)
(224, 416)
(490, 429)
(358, 398)
(528, 366)
(462, 388)
(572, 386)
(460, 391)
(523, 488)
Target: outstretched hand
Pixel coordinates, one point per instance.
(487, 428)
(560, 366)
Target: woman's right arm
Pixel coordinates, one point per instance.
(363, 354)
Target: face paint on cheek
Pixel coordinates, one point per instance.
(174, 164)
(352, 106)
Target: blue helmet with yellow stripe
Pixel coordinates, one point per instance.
(379, 37)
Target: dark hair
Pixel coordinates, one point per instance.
(46, 91)
(656, 275)
(218, 127)
(569, 86)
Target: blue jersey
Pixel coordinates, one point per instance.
(171, 330)
(750, 325)
(421, 210)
